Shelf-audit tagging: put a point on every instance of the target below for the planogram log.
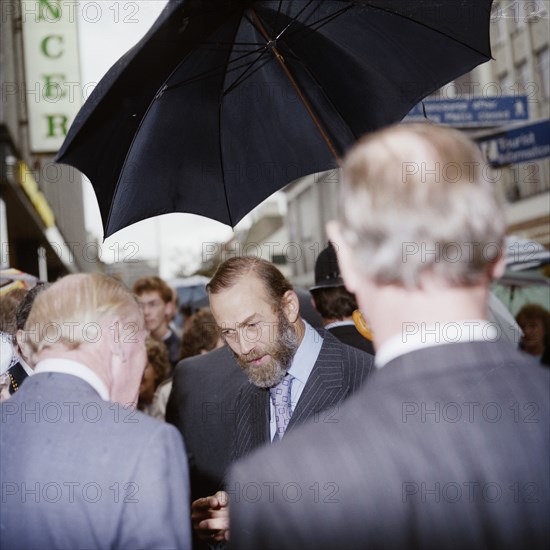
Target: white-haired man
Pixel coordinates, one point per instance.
(79, 467)
(448, 444)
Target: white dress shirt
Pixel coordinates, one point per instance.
(339, 324)
(26, 367)
(74, 368)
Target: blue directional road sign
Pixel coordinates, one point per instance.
(525, 144)
(478, 112)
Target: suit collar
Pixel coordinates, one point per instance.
(57, 386)
(416, 336)
(448, 360)
(305, 357)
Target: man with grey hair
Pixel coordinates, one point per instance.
(448, 444)
(79, 467)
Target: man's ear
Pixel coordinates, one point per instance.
(291, 305)
(22, 341)
(346, 262)
(115, 336)
(497, 268)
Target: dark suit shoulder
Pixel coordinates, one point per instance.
(473, 361)
(355, 363)
(349, 335)
(213, 374)
(215, 359)
(202, 407)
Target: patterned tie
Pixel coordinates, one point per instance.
(280, 395)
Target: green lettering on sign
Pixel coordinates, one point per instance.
(52, 86)
(50, 10)
(57, 125)
(45, 48)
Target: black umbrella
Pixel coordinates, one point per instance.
(224, 102)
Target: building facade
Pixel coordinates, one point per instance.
(503, 104)
(41, 203)
(520, 40)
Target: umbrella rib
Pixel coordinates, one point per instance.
(408, 18)
(304, 100)
(225, 44)
(308, 29)
(319, 24)
(276, 23)
(221, 69)
(294, 19)
(242, 77)
(220, 106)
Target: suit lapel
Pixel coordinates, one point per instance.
(325, 386)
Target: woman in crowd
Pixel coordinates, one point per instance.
(155, 377)
(201, 335)
(534, 321)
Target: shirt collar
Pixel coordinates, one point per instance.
(74, 368)
(415, 336)
(306, 355)
(339, 324)
(26, 367)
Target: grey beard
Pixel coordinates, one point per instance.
(281, 352)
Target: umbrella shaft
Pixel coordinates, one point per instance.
(281, 61)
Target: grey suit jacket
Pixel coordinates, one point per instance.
(80, 472)
(338, 372)
(445, 447)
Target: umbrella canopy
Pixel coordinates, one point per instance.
(224, 102)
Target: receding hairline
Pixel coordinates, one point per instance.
(241, 274)
(413, 140)
(70, 283)
(231, 272)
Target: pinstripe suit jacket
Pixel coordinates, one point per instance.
(445, 447)
(338, 372)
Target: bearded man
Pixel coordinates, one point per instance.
(295, 372)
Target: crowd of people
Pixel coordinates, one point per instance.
(396, 417)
